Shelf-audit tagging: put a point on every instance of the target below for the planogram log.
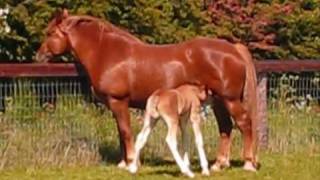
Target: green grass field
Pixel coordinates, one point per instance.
(274, 166)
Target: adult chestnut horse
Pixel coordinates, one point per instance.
(125, 71)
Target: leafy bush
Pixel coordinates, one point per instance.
(271, 28)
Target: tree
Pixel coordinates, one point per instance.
(271, 28)
(155, 21)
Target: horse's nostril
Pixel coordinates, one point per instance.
(39, 57)
(42, 57)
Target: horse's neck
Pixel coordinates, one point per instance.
(86, 43)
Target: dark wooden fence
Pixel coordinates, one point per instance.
(268, 71)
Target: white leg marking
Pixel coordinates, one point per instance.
(171, 140)
(141, 140)
(199, 144)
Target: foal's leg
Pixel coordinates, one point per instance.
(244, 123)
(121, 113)
(196, 120)
(185, 139)
(225, 129)
(171, 140)
(148, 124)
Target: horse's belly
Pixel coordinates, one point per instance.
(156, 75)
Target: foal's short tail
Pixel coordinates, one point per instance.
(250, 96)
(151, 108)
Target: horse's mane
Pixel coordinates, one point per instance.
(105, 26)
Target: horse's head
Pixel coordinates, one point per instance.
(56, 40)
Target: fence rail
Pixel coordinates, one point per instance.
(73, 69)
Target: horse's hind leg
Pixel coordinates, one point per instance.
(225, 129)
(243, 121)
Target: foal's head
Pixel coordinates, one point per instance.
(56, 41)
(201, 92)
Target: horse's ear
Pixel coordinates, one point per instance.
(65, 27)
(65, 13)
(61, 15)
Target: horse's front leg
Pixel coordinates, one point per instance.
(121, 113)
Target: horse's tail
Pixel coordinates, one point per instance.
(250, 97)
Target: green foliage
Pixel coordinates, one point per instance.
(161, 21)
(271, 28)
(154, 21)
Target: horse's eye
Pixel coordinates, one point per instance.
(50, 32)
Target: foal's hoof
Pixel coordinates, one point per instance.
(122, 164)
(189, 173)
(132, 168)
(205, 172)
(248, 166)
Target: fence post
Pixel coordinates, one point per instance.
(262, 110)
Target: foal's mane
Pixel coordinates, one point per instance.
(104, 26)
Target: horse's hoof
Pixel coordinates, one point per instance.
(248, 166)
(216, 167)
(226, 164)
(122, 164)
(205, 172)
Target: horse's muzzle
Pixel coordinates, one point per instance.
(43, 57)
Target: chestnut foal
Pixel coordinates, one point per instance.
(183, 102)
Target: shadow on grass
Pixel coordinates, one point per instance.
(172, 172)
(110, 154)
(163, 162)
(175, 172)
(236, 164)
(165, 167)
(195, 166)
